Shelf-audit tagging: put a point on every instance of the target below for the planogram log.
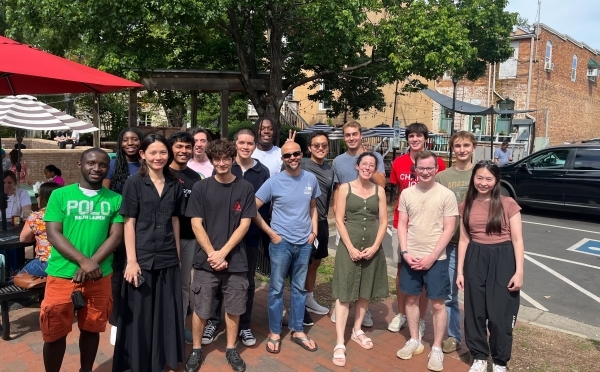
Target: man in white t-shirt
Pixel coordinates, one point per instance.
(266, 152)
(199, 161)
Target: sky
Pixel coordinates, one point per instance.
(576, 18)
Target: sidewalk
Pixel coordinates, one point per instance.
(24, 351)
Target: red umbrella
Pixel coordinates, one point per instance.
(26, 70)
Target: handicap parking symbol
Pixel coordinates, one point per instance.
(587, 246)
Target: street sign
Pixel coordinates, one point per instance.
(587, 246)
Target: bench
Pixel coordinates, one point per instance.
(10, 292)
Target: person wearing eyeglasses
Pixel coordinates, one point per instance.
(318, 146)
(403, 175)
(293, 194)
(426, 224)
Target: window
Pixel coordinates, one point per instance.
(504, 121)
(587, 159)
(145, 119)
(478, 124)
(508, 68)
(574, 68)
(324, 105)
(447, 75)
(554, 159)
(446, 120)
(548, 51)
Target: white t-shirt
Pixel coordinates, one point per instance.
(75, 136)
(270, 159)
(14, 201)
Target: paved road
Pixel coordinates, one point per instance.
(558, 278)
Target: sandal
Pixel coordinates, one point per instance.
(300, 341)
(364, 342)
(275, 343)
(339, 359)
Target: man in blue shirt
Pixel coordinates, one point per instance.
(293, 194)
(503, 156)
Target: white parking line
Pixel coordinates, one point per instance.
(564, 279)
(563, 260)
(561, 227)
(533, 302)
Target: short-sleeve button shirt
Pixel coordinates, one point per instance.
(154, 237)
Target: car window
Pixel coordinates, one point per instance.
(587, 159)
(553, 159)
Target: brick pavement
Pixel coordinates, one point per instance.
(24, 351)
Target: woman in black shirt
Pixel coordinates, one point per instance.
(150, 325)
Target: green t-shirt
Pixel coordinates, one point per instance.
(458, 182)
(86, 223)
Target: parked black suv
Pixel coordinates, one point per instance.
(562, 177)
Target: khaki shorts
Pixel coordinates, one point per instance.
(56, 313)
(206, 284)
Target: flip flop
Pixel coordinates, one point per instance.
(300, 341)
(336, 357)
(364, 342)
(275, 343)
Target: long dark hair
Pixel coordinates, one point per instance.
(276, 128)
(150, 139)
(496, 212)
(121, 171)
(54, 169)
(45, 191)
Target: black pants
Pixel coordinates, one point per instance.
(215, 319)
(488, 268)
(118, 266)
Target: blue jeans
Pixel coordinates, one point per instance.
(35, 267)
(292, 258)
(452, 307)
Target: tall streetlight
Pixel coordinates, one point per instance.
(454, 82)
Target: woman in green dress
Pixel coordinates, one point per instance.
(360, 272)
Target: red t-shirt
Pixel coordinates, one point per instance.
(404, 176)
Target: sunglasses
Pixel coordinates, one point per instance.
(290, 154)
(320, 145)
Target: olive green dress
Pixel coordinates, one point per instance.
(365, 278)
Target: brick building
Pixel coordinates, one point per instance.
(550, 73)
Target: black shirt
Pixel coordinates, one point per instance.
(221, 207)
(324, 174)
(187, 177)
(154, 238)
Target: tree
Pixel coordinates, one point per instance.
(354, 46)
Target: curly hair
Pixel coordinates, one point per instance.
(121, 170)
(220, 148)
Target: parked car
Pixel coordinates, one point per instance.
(563, 177)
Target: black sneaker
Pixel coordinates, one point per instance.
(194, 361)
(307, 319)
(210, 331)
(248, 338)
(235, 360)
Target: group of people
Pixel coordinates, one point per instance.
(64, 138)
(179, 222)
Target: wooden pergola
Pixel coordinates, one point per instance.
(196, 81)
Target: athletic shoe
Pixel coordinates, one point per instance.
(307, 319)
(421, 329)
(313, 307)
(499, 368)
(436, 360)
(367, 320)
(397, 323)
(235, 360)
(451, 344)
(412, 347)
(210, 331)
(248, 338)
(194, 361)
(479, 366)
(188, 336)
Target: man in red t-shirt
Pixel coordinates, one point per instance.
(403, 175)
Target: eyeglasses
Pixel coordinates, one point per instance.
(290, 154)
(320, 145)
(423, 169)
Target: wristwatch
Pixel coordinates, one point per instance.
(402, 253)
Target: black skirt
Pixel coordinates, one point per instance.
(150, 331)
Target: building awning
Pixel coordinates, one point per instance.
(522, 122)
(465, 107)
(593, 64)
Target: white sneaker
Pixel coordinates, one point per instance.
(312, 306)
(421, 329)
(397, 323)
(436, 360)
(412, 347)
(499, 368)
(113, 335)
(479, 366)
(367, 320)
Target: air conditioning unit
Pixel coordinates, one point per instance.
(592, 72)
(548, 66)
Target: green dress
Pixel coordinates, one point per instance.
(365, 278)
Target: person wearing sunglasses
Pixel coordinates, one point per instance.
(293, 194)
(427, 221)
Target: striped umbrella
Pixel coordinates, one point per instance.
(26, 112)
(317, 127)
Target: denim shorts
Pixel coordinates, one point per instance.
(435, 280)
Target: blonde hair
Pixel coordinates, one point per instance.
(351, 124)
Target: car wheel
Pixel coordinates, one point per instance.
(504, 191)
